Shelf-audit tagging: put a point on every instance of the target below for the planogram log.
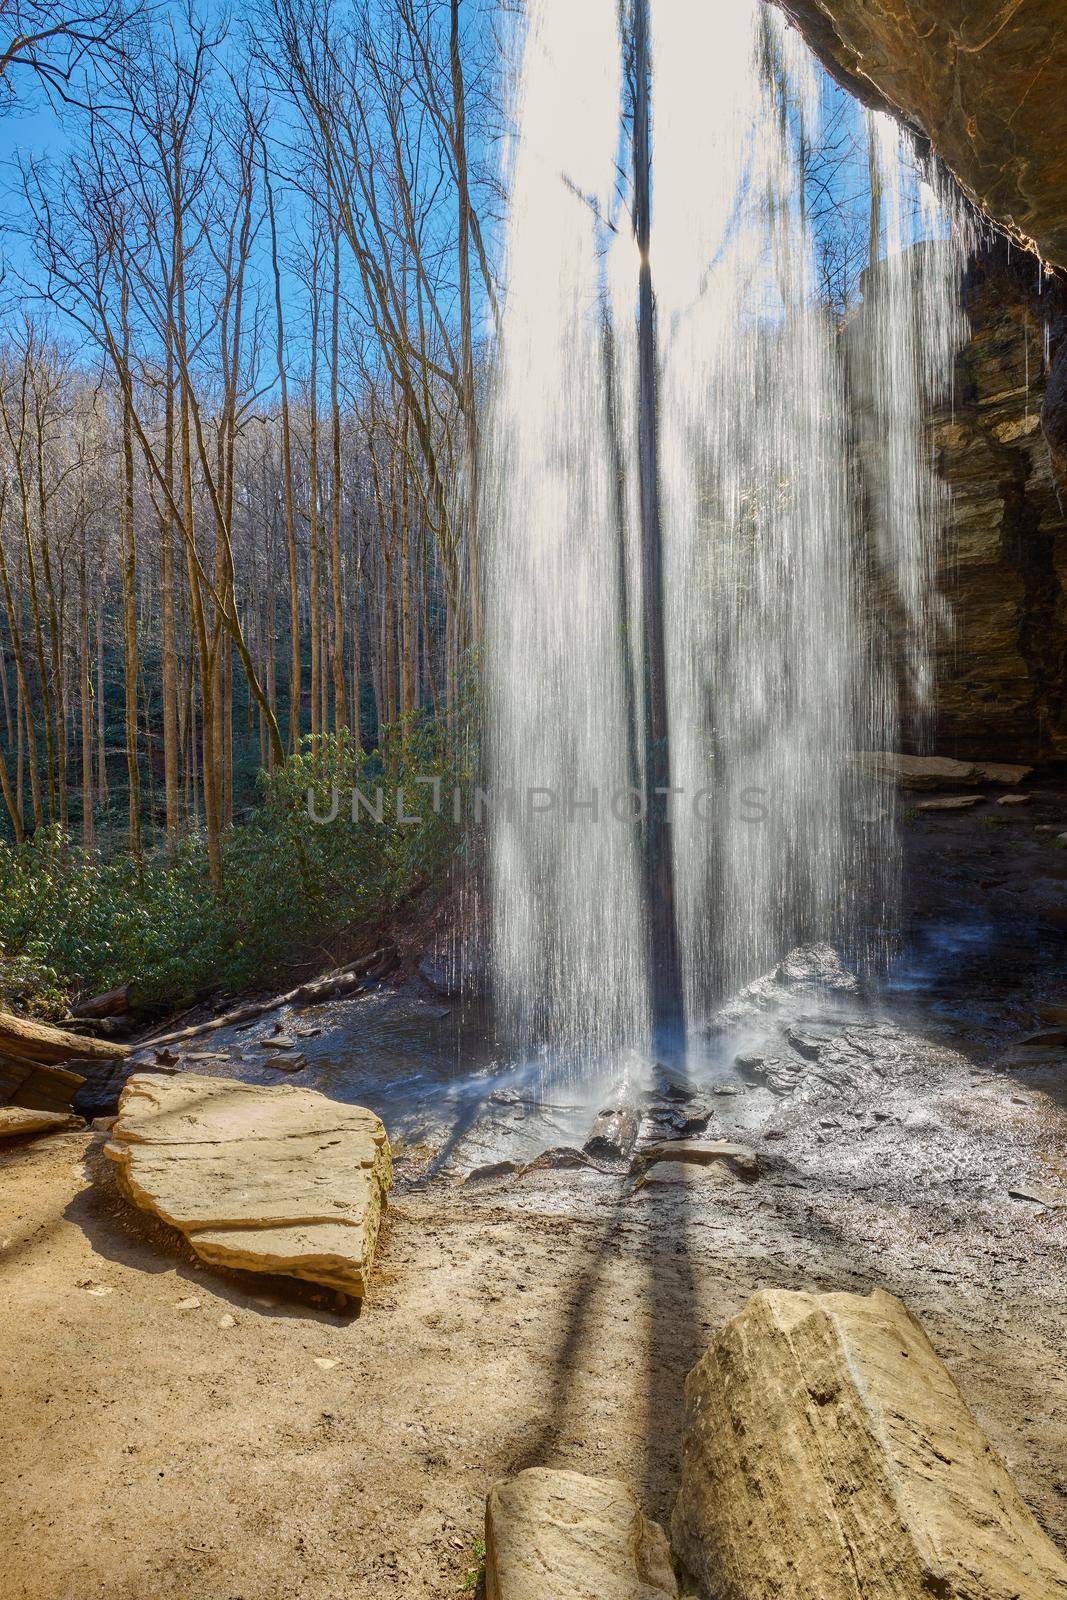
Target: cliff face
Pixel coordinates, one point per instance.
(984, 80)
(1002, 673)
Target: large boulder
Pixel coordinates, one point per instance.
(562, 1536)
(272, 1179)
(828, 1455)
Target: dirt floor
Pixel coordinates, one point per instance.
(170, 1430)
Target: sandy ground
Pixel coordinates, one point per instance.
(147, 1450)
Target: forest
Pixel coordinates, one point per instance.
(246, 308)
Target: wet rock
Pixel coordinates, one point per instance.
(614, 1133)
(917, 772)
(808, 1041)
(17, 1121)
(1054, 1201)
(667, 1175)
(291, 1061)
(560, 1158)
(491, 1170)
(1013, 800)
(1044, 1038)
(276, 1179)
(737, 1158)
(681, 1121)
(552, 1535)
(828, 1452)
(814, 967)
(441, 979)
(950, 802)
(771, 1072)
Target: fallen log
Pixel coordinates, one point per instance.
(112, 1003)
(829, 1455)
(24, 1040)
(334, 983)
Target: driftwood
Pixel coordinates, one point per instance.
(334, 983)
(23, 1040)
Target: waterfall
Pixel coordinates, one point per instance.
(568, 919)
(799, 517)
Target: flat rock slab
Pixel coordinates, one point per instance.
(562, 1536)
(680, 1174)
(940, 772)
(828, 1455)
(276, 1179)
(950, 802)
(16, 1121)
(737, 1158)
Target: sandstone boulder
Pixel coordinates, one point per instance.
(277, 1179)
(828, 1455)
(562, 1536)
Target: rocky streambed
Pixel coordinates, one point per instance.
(181, 1428)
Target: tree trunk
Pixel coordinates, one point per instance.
(664, 958)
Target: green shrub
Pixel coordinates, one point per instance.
(72, 922)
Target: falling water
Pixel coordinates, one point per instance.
(568, 922)
(783, 438)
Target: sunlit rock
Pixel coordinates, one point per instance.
(828, 1455)
(563, 1536)
(16, 1121)
(276, 1180)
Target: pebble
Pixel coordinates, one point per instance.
(189, 1304)
(226, 1321)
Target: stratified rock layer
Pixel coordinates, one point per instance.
(1000, 669)
(563, 1536)
(828, 1455)
(266, 1179)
